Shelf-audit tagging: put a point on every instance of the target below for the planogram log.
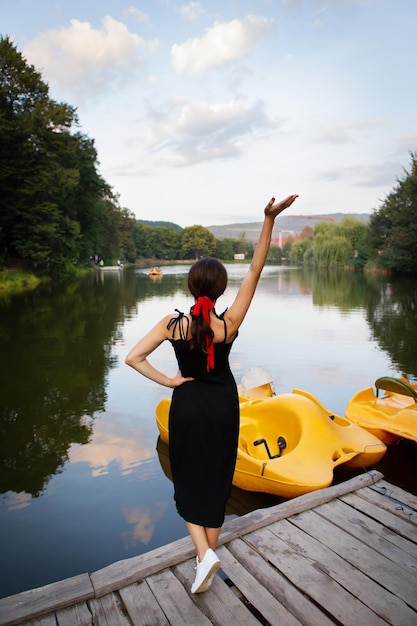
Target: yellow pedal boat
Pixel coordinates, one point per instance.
(155, 271)
(389, 417)
(289, 444)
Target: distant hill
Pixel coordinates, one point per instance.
(160, 223)
(286, 223)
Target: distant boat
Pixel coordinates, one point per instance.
(110, 268)
(155, 271)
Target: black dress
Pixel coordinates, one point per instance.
(203, 431)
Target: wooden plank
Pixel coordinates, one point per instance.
(382, 602)
(255, 594)
(396, 492)
(108, 611)
(258, 519)
(220, 604)
(331, 597)
(128, 571)
(369, 532)
(174, 600)
(77, 615)
(141, 605)
(375, 565)
(43, 600)
(266, 576)
(391, 524)
(46, 620)
(388, 504)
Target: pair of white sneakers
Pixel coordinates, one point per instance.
(206, 570)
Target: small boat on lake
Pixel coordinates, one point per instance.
(155, 271)
(390, 416)
(289, 444)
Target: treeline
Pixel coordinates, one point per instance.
(57, 212)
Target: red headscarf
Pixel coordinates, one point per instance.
(203, 306)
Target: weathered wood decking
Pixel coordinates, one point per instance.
(342, 555)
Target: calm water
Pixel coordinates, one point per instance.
(83, 478)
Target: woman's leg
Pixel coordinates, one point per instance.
(207, 561)
(213, 537)
(203, 538)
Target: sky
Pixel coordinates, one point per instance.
(202, 111)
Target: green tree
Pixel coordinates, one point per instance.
(339, 245)
(197, 241)
(141, 236)
(297, 251)
(56, 208)
(274, 254)
(393, 228)
(33, 129)
(225, 248)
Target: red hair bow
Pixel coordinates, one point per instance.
(203, 306)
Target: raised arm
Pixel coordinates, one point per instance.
(235, 315)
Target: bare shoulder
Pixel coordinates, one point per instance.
(231, 322)
(177, 325)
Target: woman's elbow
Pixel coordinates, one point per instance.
(129, 360)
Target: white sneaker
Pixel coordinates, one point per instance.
(206, 570)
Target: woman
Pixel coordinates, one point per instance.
(204, 414)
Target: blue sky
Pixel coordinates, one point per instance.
(201, 111)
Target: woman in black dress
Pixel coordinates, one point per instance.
(204, 414)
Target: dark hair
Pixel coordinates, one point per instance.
(207, 277)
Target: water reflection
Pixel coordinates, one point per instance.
(126, 448)
(143, 520)
(393, 319)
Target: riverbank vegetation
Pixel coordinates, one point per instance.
(59, 214)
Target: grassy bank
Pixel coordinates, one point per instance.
(17, 281)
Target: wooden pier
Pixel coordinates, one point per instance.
(342, 555)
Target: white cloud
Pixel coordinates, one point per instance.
(137, 14)
(223, 42)
(191, 11)
(186, 133)
(83, 58)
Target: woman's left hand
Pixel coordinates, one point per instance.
(179, 379)
(272, 210)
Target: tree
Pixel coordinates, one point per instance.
(197, 241)
(338, 245)
(297, 251)
(393, 228)
(274, 254)
(307, 233)
(225, 248)
(160, 242)
(33, 132)
(56, 208)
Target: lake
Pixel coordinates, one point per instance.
(84, 480)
